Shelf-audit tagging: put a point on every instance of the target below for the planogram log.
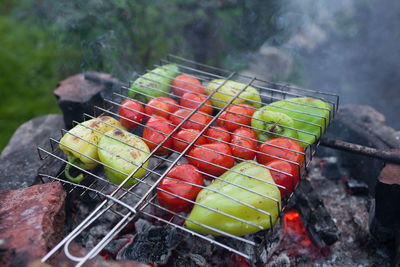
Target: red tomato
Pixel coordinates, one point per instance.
(131, 113)
(156, 130)
(249, 108)
(219, 133)
(244, 143)
(186, 136)
(280, 148)
(182, 174)
(289, 181)
(234, 117)
(172, 104)
(218, 154)
(197, 121)
(192, 101)
(186, 83)
(157, 107)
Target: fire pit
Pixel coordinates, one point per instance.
(104, 215)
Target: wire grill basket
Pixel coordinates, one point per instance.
(139, 200)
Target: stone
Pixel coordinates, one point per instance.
(78, 251)
(79, 94)
(32, 222)
(19, 161)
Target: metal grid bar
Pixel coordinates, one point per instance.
(133, 210)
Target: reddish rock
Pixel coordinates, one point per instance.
(99, 261)
(32, 220)
(391, 173)
(79, 93)
(77, 88)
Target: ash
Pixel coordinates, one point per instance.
(356, 246)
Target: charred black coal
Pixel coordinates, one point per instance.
(152, 244)
(314, 214)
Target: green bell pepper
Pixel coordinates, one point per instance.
(269, 124)
(154, 83)
(310, 115)
(123, 152)
(215, 196)
(79, 144)
(229, 90)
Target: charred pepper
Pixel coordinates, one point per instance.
(223, 197)
(310, 116)
(122, 152)
(79, 143)
(269, 124)
(154, 83)
(226, 90)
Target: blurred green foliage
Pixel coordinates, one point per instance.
(29, 70)
(44, 41)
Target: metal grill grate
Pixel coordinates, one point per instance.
(130, 203)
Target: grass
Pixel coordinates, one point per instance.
(30, 61)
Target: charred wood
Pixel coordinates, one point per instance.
(387, 156)
(315, 216)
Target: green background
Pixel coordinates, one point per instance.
(43, 42)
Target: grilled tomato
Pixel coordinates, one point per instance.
(177, 182)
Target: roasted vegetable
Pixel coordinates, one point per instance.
(244, 143)
(284, 174)
(223, 197)
(213, 159)
(123, 152)
(156, 131)
(216, 134)
(310, 115)
(192, 101)
(186, 182)
(281, 148)
(234, 117)
(79, 143)
(269, 124)
(184, 137)
(131, 113)
(229, 90)
(185, 83)
(154, 83)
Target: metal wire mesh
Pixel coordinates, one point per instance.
(131, 202)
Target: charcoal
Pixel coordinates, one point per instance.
(396, 260)
(315, 216)
(385, 213)
(77, 250)
(331, 169)
(114, 246)
(151, 244)
(351, 126)
(356, 187)
(280, 261)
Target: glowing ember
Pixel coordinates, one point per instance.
(74, 216)
(237, 261)
(296, 241)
